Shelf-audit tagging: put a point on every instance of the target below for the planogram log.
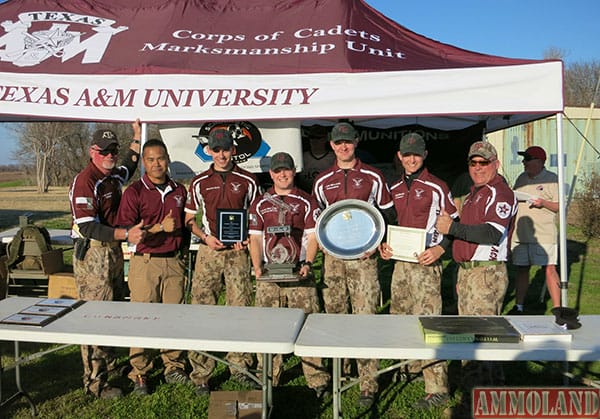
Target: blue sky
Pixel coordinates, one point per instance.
(509, 28)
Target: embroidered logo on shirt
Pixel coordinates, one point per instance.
(502, 210)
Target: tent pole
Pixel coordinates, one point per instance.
(562, 216)
(144, 139)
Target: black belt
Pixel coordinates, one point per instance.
(157, 255)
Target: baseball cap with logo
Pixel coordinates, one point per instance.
(532, 153)
(412, 143)
(220, 138)
(483, 149)
(104, 138)
(343, 131)
(282, 160)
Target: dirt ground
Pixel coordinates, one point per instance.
(20, 200)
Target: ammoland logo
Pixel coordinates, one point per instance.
(537, 402)
(25, 47)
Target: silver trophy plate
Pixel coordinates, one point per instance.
(350, 228)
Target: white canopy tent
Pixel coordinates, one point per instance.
(184, 61)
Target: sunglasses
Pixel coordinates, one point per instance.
(113, 151)
(528, 158)
(482, 163)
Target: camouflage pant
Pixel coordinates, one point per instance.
(415, 289)
(156, 280)
(97, 277)
(353, 282)
(294, 296)
(212, 269)
(481, 292)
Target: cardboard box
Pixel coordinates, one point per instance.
(52, 261)
(62, 285)
(235, 405)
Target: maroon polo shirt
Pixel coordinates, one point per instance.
(494, 204)
(95, 197)
(142, 200)
(301, 217)
(362, 182)
(419, 206)
(210, 190)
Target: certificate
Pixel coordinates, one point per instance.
(231, 225)
(406, 242)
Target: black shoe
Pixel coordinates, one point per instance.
(322, 392)
(140, 386)
(177, 376)
(202, 389)
(515, 311)
(431, 400)
(366, 399)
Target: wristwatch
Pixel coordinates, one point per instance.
(307, 263)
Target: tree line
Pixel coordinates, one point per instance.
(54, 152)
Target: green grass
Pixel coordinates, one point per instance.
(54, 381)
(14, 183)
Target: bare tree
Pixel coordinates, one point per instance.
(47, 147)
(581, 78)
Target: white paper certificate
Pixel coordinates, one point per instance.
(406, 242)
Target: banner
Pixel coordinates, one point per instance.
(255, 143)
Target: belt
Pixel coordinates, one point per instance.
(477, 263)
(156, 255)
(98, 243)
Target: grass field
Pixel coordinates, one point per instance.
(54, 381)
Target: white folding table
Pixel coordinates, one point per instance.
(381, 336)
(176, 326)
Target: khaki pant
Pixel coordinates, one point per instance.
(155, 280)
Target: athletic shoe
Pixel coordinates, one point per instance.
(202, 389)
(366, 399)
(246, 380)
(108, 392)
(431, 400)
(322, 391)
(177, 376)
(140, 386)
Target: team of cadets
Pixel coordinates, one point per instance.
(157, 214)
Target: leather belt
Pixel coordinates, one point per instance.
(477, 263)
(156, 255)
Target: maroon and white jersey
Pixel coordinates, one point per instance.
(142, 200)
(95, 197)
(493, 204)
(362, 182)
(419, 206)
(212, 190)
(301, 213)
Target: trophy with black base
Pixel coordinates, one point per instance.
(280, 248)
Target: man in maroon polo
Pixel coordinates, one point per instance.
(354, 279)
(156, 270)
(98, 259)
(223, 186)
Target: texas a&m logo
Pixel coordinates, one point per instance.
(38, 36)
